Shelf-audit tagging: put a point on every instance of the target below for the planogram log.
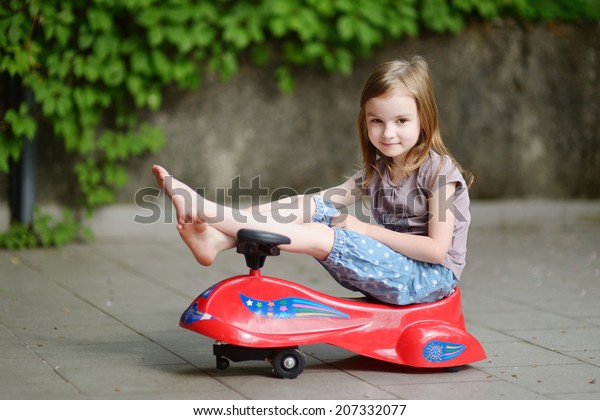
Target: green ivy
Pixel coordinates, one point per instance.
(44, 232)
(94, 65)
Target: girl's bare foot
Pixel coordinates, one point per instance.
(204, 241)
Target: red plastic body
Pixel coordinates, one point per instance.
(258, 311)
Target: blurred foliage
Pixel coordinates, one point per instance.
(44, 232)
(93, 65)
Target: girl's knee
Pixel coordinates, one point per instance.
(323, 238)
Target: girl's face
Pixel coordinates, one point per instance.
(393, 123)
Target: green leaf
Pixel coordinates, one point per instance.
(148, 17)
(21, 123)
(67, 130)
(10, 148)
(115, 175)
(202, 35)
(228, 65)
(284, 79)
(91, 68)
(16, 30)
(99, 19)
(161, 64)
(152, 137)
(154, 99)
(179, 36)
(185, 73)
(345, 27)
(62, 34)
(315, 49)
(105, 45)
(437, 15)
(367, 36)
(114, 73)
(140, 63)
(156, 36)
(84, 97)
(135, 84)
(279, 26)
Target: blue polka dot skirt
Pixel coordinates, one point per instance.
(360, 263)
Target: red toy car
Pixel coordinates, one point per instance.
(255, 317)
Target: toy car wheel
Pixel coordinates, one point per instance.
(222, 363)
(289, 362)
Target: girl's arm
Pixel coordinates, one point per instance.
(343, 195)
(432, 248)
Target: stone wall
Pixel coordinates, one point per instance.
(518, 104)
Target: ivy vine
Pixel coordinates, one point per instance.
(93, 65)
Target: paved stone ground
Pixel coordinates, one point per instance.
(100, 320)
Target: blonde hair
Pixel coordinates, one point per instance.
(413, 75)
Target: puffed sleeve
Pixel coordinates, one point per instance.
(438, 171)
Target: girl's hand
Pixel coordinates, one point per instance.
(349, 222)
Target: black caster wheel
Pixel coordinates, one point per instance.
(222, 363)
(455, 368)
(288, 362)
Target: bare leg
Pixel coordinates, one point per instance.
(297, 209)
(313, 239)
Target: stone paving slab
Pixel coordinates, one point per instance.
(100, 320)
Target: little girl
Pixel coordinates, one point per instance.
(418, 196)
